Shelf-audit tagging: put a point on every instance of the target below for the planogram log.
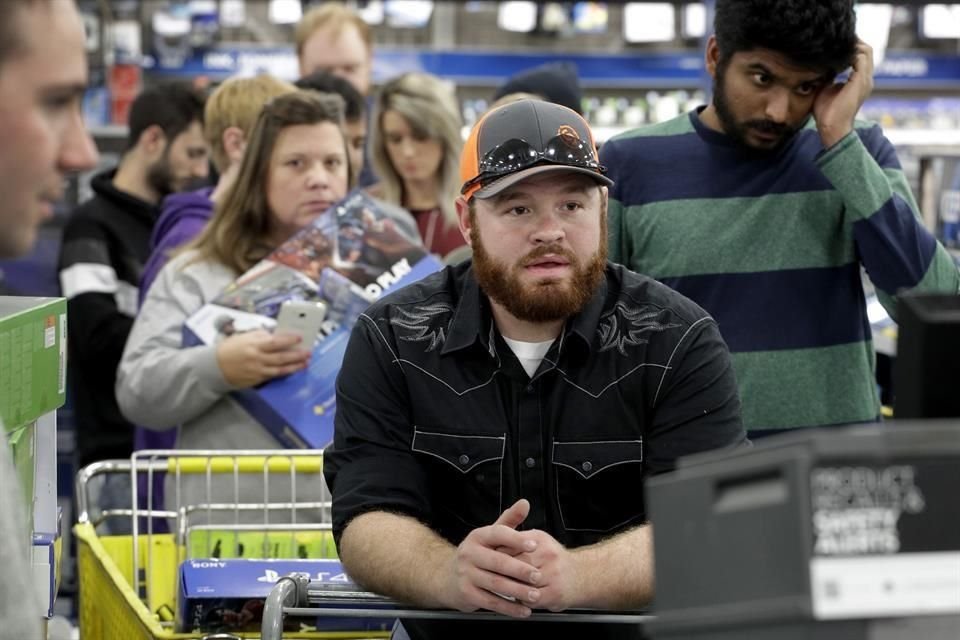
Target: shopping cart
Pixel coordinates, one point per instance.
(236, 504)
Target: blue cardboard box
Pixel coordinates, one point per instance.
(348, 257)
(228, 595)
(45, 560)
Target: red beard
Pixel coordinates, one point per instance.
(546, 300)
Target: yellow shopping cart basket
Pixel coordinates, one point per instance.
(128, 583)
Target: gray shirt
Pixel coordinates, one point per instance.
(163, 385)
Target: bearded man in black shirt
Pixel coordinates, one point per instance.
(496, 420)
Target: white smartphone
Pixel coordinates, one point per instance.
(302, 318)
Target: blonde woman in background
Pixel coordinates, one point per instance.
(416, 142)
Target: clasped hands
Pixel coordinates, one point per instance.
(501, 569)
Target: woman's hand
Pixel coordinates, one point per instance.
(251, 358)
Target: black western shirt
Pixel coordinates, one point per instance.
(437, 419)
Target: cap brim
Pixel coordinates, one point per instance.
(505, 182)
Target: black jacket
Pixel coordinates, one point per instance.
(437, 419)
(106, 243)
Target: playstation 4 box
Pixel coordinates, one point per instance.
(47, 552)
(219, 596)
(350, 256)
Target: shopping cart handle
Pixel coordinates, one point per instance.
(286, 593)
(637, 617)
(246, 464)
(297, 596)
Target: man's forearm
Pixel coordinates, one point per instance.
(399, 557)
(616, 573)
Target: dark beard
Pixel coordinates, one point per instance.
(738, 130)
(540, 302)
(160, 177)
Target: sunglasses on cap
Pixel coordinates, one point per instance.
(517, 154)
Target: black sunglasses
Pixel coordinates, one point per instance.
(516, 154)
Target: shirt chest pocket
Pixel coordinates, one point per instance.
(466, 474)
(599, 484)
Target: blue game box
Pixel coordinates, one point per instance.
(228, 595)
(348, 257)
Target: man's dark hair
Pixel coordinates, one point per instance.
(815, 34)
(10, 41)
(173, 106)
(324, 82)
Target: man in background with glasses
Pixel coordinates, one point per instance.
(43, 74)
(495, 421)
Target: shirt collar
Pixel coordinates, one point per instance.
(584, 324)
(472, 320)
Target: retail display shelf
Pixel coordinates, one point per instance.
(931, 137)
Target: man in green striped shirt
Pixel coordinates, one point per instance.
(764, 206)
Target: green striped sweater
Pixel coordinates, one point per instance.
(772, 245)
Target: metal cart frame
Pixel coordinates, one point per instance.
(115, 571)
(297, 596)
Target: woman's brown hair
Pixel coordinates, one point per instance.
(237, 234)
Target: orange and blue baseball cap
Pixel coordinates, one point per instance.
(526, 138)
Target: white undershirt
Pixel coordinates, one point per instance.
(530, 354)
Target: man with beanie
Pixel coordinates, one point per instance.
(490, 416)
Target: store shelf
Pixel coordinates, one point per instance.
(626, 70)
(923, 137)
